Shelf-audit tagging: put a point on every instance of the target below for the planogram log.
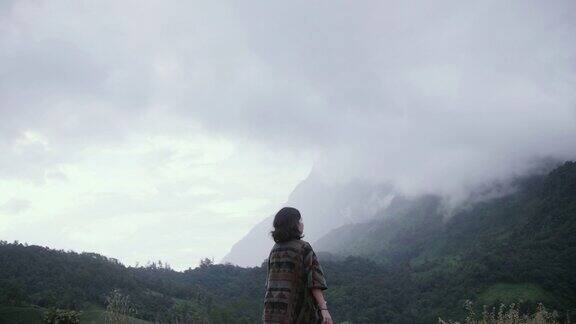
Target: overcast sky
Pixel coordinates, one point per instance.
(148, 130)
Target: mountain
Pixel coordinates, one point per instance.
(409, 263)
(520, 245)
(405, 219)
(509, 242)
(323, 205)
(419, 224)
(349, 207)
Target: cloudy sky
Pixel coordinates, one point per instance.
(148, 130)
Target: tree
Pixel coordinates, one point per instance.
(206, 262)
(119, 308)
(62, 316)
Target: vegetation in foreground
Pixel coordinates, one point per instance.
(508, 314)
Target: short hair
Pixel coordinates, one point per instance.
(286, 225)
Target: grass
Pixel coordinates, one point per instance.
(20, 315)
(509, 293)
(507, 314)
(98, 317)
(33, 315)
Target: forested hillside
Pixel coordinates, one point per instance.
(409, 267)
(521, 245)
(34, 275)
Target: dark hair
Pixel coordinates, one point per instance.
(286, 225)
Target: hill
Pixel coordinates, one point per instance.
(324, 206)
(520, 245)
(42, 277)
(411, 266)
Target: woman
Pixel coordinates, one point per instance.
(295, 279)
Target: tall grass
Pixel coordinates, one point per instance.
(508, 314)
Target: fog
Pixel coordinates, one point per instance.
(438, 97)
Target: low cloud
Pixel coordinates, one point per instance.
(15, 206)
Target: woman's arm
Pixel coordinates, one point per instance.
(317, 293)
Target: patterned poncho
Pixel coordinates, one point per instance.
(293, 269)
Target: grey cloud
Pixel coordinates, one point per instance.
(16, 205)
(31, 162)
(437, 97)
(113, 205)
(444, 96)
(56, 175)
(434, 96)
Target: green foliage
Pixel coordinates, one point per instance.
(521, 245)
(96, 315)
(185, 311)
(12, 292)
(510, 292)
(119, 307)
(507, 314)
(21, 315)
(62, 316)
(206, 262)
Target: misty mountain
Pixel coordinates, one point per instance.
(357, 208)
(411, 264)
(324, 206)
(418, 227)
(404, 219)
(517, 246)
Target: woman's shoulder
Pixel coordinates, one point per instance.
(303, 245)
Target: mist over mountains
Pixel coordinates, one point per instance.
(434, 98)
(330, 210)
(323, 206)
(410, 99)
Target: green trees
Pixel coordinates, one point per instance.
(61, 316)
(119, 307)
(12, 292)
(185, 311)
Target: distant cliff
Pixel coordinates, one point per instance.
(324, 206)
